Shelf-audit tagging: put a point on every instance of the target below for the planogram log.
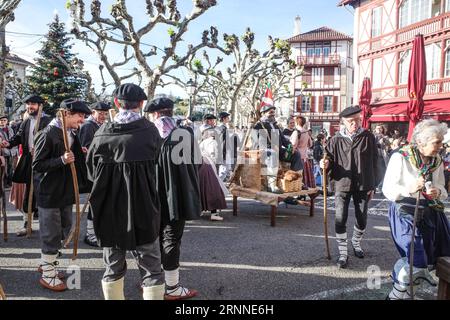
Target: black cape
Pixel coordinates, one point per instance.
(353, 164)
(53, 181)
(87, 131)
(22, 172)
(122, 163)
(178, 184)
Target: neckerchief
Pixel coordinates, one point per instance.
(56, 122)
(412, 154)
(127, 116)
(351, 136)
(91, 118)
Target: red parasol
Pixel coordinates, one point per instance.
(417, 82)
(364, 102)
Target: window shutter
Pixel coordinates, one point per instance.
(335, 104)
(299, 103)
(320, 108)
(313, 104)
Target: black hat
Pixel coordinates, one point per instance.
(347, 112)
(223, 115)
(75, 106)
(209, 117)
(129, 92)
(33, 98)
(266, 108)
(102, 106)
(3, 116)
(158, 104)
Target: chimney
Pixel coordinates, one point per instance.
(297, 24)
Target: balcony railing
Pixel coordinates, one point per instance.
(332, 59)
(434, 87)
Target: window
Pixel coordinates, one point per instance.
(306, 103)
(447, 5)
(403, 68)
(447, 58)
(326, 51)
(318, 52)
(328, 104)
(377, 69)
(307, 75)
(412, 11)
(376, 21)
(328, 76)
(310, 52)
(433, 56)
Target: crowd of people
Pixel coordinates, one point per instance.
(147, 173)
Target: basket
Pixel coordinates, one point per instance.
(290, 186)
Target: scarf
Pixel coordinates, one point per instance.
(127, 116)
(56, 122)
(351, 136)
(426, 170)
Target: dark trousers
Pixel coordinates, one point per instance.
(170, 241)
(342, 201)
(296, 162)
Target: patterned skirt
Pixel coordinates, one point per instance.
(211, 194)
(17, 194)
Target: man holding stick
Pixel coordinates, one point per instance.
(55, 190)
(352, 163)
(25, 137)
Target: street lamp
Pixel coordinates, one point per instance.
(190, 88)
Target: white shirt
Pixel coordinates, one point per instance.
(401, 176)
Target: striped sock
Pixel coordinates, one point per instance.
(356, 239)
(342, 244)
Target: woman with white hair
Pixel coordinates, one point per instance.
(417, 167)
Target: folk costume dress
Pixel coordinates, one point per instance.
(432, 238)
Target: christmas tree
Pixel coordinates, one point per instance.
(51, 77)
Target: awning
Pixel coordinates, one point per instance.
(393, 112)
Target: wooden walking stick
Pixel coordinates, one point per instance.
(31, 189)
(72, 231)
(112, 114)
(325, 212)
(411, 247)
(75, 187)
(3, 208)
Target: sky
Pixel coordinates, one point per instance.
(264, 17)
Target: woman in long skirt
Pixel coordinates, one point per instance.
(417, 168)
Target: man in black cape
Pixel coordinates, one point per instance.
(55, 194)
(178, 189)
(125, 205)
(25, 137)
(353, 171)
(86, 134)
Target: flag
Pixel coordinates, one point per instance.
(267, 100)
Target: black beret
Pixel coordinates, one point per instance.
(209, 117)
(3, 116)
(158, 104)
(102, 106)
(33, 98)
(130, 92)
(266, 108)
(74, 105)
(224, 115)
(349, 111)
